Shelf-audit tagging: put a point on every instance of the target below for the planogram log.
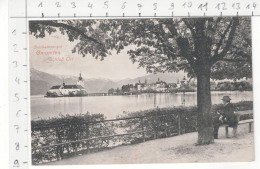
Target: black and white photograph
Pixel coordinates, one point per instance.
(141, 90)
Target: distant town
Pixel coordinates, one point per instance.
(157, 87)
(183, 85)
(160, 86)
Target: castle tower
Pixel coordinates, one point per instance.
(63, 83)
(178, 83)
(80, 81)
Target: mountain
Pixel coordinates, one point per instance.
(151, 78)
(41, 82)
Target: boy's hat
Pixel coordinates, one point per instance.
(226, 98)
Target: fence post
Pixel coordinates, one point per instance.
(179, 123)
(226, 128)
(75, 134)
(167, 130)
(156, 124)
(142, 124)
(87, 128)
(68, 149)
(59, 147)
(250, 127)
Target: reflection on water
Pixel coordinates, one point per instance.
(111, 106)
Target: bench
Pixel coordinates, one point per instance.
(249, 121)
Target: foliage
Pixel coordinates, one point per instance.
(67, 120)
(162, 45)
(165, 120)
(66, 129)
(127, 88)
(216, 47)
(231, 86)
(159, 123)
(240, 106)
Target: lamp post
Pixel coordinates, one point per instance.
(154, 99)
(183, 99)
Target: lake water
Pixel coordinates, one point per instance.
(111, 106)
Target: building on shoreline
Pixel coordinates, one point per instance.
(68, 90)
(157, 87)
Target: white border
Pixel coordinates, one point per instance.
(4, 115)
(237, 165)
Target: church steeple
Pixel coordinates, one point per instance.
(80, 78)
(80, 81)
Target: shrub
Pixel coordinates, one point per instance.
(137, 127)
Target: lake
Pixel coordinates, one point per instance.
(111, 106)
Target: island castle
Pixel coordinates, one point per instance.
(65, 90)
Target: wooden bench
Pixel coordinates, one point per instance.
(249, 121)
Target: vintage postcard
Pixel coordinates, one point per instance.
(141, 90)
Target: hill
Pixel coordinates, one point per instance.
(41, 81)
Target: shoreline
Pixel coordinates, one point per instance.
(106, 94)
(149, 125)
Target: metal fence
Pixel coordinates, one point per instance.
(70, 137)
(55, 142)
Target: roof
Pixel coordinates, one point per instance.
(160, 82)
(68, 87)
(55, 87)
(73, 87)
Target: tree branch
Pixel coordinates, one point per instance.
(187, 55)
(233, 60)
(183, 43)
(247, 57)
(217, 57)
(162, 40)
(171, 27)
(222, 38)
(193, 33)
(67, 27)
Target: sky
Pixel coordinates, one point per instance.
(115, 66)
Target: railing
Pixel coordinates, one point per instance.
(55, 142)
(70, 137)
(115, 135)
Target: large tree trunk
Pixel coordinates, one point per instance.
(199, 59)
(204, 121)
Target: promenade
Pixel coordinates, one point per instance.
(179, 149)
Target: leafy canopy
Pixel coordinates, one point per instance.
(220, 44)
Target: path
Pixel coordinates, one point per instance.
(174, 150)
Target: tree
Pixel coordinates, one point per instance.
(205, 48)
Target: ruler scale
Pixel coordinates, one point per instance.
(20, 11)
(18, 86)
(125, 8)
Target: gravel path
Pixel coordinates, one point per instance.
(174, 150)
